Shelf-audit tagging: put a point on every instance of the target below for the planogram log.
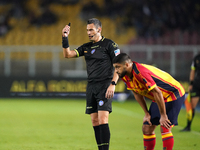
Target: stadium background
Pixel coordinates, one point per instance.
(163, 33)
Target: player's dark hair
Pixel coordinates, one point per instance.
(95, 21)
(121, 58)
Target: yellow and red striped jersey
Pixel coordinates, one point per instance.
(147, 77)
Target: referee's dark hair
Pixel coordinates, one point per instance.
(95, 21)
(121, 58)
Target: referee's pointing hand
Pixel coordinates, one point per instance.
(66, 31)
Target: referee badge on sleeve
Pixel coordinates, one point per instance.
(117, 52)
(101, 103)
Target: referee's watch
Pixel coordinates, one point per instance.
(113, 83)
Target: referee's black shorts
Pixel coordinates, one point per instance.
(195, 89)
(95, 96)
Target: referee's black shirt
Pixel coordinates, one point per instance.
(98, 57)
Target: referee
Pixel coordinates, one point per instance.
(194, 89)
(99, 53)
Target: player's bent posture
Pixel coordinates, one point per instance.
(194, 90)
(99, 54)
(166, 93)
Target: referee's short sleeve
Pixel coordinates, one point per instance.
(79, 51)
(113, 49)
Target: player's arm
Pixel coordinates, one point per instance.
(158, 97)
(67, 53)
(140, 99)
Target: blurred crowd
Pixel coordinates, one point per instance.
(19, 10)
(155, 21)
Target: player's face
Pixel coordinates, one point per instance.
(120, 69)
(93, 32)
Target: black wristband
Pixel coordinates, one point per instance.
(65, 42)
(191, 82)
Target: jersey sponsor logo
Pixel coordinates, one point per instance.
(95, 46)
(117, 52)
(101, 103)
(92, 52)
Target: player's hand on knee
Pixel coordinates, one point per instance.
(147, 118)
(164, 121)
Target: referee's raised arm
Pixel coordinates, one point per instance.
(67, 53)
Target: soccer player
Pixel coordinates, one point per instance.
(166, 93)
(99, 53)
(194, 89)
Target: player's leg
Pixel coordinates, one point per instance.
(172, 109)
(149, 137)
(167, 138)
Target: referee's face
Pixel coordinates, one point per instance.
(93, 32)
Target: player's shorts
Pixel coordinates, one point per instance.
(172, 109)
(95, 96)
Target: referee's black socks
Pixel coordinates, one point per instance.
(102, 135)
(97, 136)
(105, 136)
(189, 122)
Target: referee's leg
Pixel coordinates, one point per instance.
(96, 127)
(101, 128)
(104, 129)
(103, 108)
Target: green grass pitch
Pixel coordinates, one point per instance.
(61, 124)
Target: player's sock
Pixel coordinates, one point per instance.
(97, 136)
(105, 136)
(149, 141)
(167, 138)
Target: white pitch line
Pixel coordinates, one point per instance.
(127, 112)
(139, 116)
